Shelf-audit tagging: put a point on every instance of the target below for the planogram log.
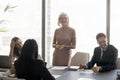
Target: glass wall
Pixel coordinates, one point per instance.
(20, 18)
(115, 24)
(87, 17)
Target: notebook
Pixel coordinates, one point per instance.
(5, 62)
(71, 67)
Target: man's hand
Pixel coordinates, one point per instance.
(97, 68)
(82, 66)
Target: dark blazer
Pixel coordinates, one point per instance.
(32, 70)
(108, 60)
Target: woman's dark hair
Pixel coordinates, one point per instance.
(16, 51)
(29, 50)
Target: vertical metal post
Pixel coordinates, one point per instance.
(43, 29)
(108, 20)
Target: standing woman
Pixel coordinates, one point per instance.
(64, 40)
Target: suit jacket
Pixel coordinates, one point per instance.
(32, 70)
(108, 60)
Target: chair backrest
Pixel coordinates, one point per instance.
(5, 61)
(79, 58)
(118, 63)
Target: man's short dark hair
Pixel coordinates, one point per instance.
(100, 35)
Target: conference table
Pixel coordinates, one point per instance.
(64, 73)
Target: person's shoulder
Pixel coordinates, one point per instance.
(96, 48)
(71, 28)
(57, 29)
(111, 46)
(40, 62)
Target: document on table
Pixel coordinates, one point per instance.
(85, 79)
(56, 76)
(86, 71)
(59, 68)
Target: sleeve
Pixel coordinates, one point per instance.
(45, 74)
(93, 60)
(54, 39)
(73, 40)
(112, 63)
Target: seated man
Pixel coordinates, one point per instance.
(104, 56)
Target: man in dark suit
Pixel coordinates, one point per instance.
(104, 56)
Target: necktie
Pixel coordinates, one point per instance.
(102, 52)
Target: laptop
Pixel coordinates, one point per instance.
(73, 68)
(5, 62)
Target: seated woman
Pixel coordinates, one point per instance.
(28, 66)
(15, 51)
(15, 48)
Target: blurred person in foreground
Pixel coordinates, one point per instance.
(28, 66)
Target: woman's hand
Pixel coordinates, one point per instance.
(12, 44)
(59, 46)
(12, 70)
(82, 66)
